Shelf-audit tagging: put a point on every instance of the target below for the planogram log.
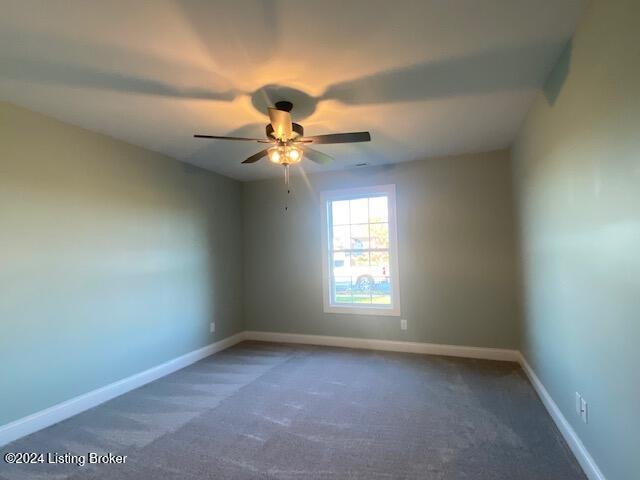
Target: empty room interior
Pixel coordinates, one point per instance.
(277, 239)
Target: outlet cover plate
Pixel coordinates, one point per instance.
(584, 410)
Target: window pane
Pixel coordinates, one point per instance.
(341, 264)
(379, 235)
(344, 264)
(378, 211)
(362, 298)
(360, 261)
(359, 210)
(362, 281)
(342, 290)
(340, 212)
(381, 292)
(380, 263)
(362, 285)
(341, 237)
(359, 237)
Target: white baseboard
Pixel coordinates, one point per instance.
(44, 418)
(586, 461)
(387, 345)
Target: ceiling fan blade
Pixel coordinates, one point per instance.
(244, 139)
(281, 123)
(318, 157)
(257, 156)
(352, 137)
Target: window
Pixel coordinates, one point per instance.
(360, 251)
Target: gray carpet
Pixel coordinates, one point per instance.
(270, 411)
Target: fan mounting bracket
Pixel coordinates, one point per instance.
(284, 105)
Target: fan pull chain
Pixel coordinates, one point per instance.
(286, 182)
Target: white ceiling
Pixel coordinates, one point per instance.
(424, 77)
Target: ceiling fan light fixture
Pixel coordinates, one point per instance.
(276, 155)
(285, 155)
(294, 154)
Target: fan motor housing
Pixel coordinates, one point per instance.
(296, 127)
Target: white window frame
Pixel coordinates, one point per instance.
(348, 194)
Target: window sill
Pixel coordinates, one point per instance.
(372, 311)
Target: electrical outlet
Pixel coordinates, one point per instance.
(212, 327)
(403, 324)
(584, 410)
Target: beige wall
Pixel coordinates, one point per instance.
(456, 252)
(113, 260)
(578, 178)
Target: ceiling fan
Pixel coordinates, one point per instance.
(288, 142)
